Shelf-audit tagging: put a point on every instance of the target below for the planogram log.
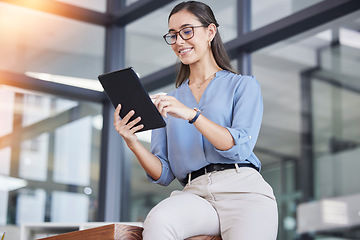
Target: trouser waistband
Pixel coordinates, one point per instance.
(217, 167)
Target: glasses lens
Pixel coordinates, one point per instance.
(187, 33)
(170, 38)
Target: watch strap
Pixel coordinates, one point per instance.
(198, 112)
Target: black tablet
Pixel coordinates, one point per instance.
(124, 87)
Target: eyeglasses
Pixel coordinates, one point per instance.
(185, 33)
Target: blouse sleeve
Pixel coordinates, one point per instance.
(159, 149)
(247, 117)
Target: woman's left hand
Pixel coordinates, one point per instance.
(170, 105)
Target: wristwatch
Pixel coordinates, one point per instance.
(198, 112)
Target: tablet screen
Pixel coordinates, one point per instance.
(124, 87)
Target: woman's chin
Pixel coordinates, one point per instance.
(186, 61)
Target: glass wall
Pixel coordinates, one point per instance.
(266, 12)
(336, 139)
(37, 42)
(327, 59)
(49, 145)
(335, 92)
(95, 5)
(49, 156)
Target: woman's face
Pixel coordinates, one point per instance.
(195, 49)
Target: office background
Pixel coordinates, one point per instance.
(62, 161)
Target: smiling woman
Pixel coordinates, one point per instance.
(206, 21)
(305, 55)
(213, 121)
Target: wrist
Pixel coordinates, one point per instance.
(192, 114)
(133, 144)
(196, 116)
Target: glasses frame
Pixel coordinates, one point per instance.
(179, 33)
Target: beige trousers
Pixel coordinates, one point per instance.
(236, 203)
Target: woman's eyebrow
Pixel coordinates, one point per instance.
(182, 26)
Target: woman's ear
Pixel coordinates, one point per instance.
(212, 29)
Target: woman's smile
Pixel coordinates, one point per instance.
(184, 51)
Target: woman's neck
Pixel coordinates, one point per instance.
(201, 71)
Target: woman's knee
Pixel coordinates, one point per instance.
(158, 216)
(182, 215)
(161, 223)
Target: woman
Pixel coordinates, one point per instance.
(213, 121)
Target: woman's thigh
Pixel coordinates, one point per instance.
(248, 216)
(180, 216)
(245, 205)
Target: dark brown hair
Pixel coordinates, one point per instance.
(205, 16)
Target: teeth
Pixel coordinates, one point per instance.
(185, 50)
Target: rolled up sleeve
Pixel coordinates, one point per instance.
(246, 121)
(159, 149)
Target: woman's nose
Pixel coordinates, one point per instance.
(179, 40)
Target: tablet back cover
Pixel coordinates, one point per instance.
(124, 87)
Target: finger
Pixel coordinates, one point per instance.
(128, 116)
(117, 111)
(137, 128)
(156, 102)
(117, 115)
(160, 99)
(165, 110)
(134, 122)
(162, 106)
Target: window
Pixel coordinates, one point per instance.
(50, 158)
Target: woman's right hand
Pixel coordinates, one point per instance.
(125, 128)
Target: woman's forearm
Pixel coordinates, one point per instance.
(126, 129)
(148, 161)
(217, 135)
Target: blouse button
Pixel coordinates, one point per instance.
(249, 137)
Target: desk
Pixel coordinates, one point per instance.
(32, 231)
(113, 231)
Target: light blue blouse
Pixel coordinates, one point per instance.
(230, 100)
